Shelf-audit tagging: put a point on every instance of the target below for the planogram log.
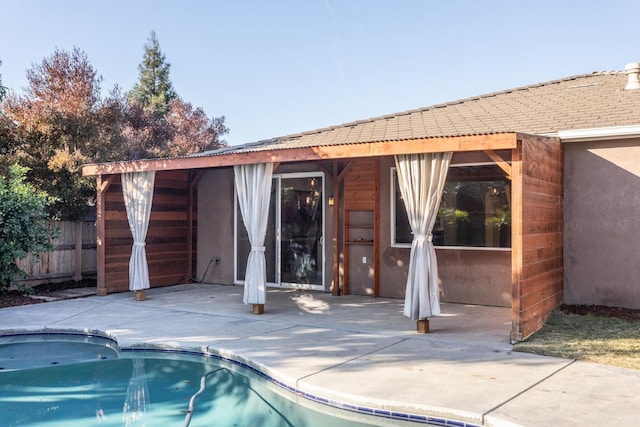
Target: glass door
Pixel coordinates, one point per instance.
(294, 240)
(301, 230)
(243, 246)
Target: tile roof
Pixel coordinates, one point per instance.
(577, 102)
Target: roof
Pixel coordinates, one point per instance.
(491, 121)
(585, 101)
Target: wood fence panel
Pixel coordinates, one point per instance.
(69, 260)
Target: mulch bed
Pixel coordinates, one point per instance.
(601, 310)
(15, 298)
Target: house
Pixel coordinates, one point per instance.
(540, 204)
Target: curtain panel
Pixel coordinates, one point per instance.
(421, 179)
(253, 187)
(137, 189)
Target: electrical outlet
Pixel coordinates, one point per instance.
(364, 259)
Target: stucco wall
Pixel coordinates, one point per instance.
(602, 223)
(475, 276)
(215, 232)
(466, 276)
(215, 227)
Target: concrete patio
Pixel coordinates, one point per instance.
(362, 351)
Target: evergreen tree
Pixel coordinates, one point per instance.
(154, 90)
(3, 90)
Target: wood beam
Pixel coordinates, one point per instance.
(101, 185)
(335, 210)
(326, 152)
(502, 164)
(516, 242)
(376, 230)
(345, 171)
(193, 179)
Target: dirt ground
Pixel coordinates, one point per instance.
(601, 310)
(15, 298)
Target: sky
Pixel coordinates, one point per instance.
(279, 67)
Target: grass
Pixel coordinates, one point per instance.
(589, 337)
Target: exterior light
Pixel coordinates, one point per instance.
(331, 201)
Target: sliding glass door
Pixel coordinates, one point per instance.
(294, 242)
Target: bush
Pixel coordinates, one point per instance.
(23, 224)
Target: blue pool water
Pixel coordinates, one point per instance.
(74, 380)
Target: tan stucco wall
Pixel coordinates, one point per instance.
(475, 276)
(215, 226)
(215, 231)
(466, 276)
(602, 223)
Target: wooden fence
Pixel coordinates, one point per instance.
(73, 257)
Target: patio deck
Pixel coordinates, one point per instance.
(362, 351)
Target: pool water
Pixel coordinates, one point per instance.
(86, 381)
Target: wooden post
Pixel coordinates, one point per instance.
(423, 326)
(78, 252)
(376, 229)
(335, 286)
(516, 241)
(100, 233)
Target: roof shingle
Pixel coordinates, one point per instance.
(578, 102)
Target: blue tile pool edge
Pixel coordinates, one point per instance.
(216, 355)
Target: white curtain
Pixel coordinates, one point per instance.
(421, 179)
(253, 185)
(137, 189)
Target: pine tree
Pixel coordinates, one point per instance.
(3, 90)
(154, 89)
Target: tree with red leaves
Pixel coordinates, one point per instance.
(61, 123)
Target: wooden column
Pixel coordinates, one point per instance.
(335, 285)
(101, 188)
(193, 182)
(376, 230)
(78, 252)
(516, 241)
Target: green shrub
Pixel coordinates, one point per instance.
(23, 224)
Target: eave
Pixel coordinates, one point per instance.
(495, 141)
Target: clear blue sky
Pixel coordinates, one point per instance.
(275, 67)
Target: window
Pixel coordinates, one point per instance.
(474, 212)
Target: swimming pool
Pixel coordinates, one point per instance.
(72, 379)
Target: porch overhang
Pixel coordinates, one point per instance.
(275, 154)
(532, 163)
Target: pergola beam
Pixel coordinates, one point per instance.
(499, 141)
(502, 164)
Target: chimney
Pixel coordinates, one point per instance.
(633, 76)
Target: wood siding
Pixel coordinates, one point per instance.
(167, 236)
(539, 271)
(360, 186)
(362, 198)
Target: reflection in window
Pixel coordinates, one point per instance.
(474, 212)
